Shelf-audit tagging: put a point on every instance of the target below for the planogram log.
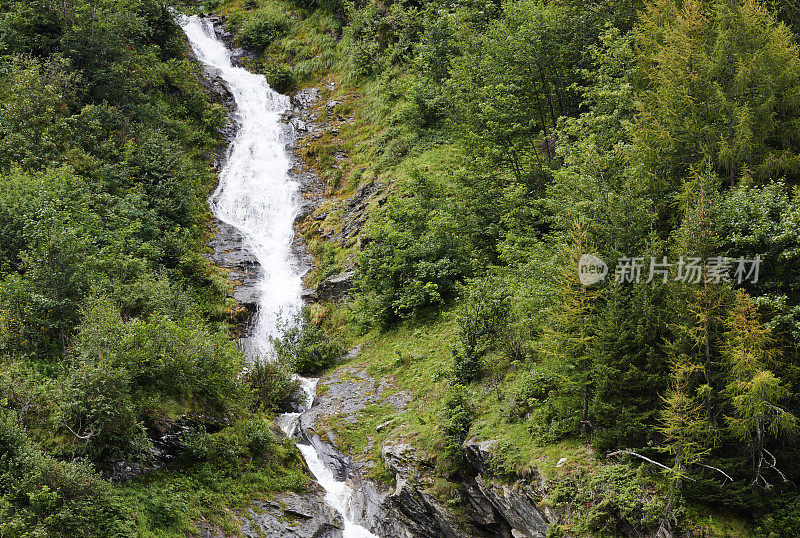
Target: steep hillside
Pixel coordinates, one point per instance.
(470, 153)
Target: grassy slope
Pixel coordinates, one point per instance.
(175, 500)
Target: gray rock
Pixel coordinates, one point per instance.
(229, 250)
(518, 504)
(517, 498)
(335, 289)
(479, 455)
(409, 509)
(291, 514)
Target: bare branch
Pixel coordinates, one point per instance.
(81, 437)
(774, 465)
(726, 475)
(645, 458)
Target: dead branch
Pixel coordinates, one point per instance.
(645, 458)
(81, 437)
(723, 473)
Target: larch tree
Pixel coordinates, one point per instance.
(567, 342)
(719, 80)
(755, 392)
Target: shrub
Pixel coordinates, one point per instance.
(281, 77)
(610, 499)
(532, 391)
(249, 438)
(481, 319)
(467, 365)
(262, 27)
(484, 314)
(456, 422)
(96, 410)
(271, 384)
(40, 496)
(413, 253)
(306, 346)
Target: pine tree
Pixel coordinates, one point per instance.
(754, 391)
(567, 342)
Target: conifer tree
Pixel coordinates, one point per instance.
(688, 433)
(567, 343)
(755, 392)
(719, 80)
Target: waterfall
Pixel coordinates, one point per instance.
(257, 196)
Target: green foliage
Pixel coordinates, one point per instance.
(456, 422)
(719, 81)
(515, 84)
(262, 27)
(413, 258)
(605, 499)
(281, 77)
(756, 393)
(39, 495)
(272, 384)
(306, 347)
(532, 392)
(245, 440)
(128, 375)
(218, 473)
(482, 319)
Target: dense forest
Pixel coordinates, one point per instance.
(519, 143)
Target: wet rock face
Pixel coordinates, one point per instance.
(229, 251)
(292, 514)
(487, 508)
(288, 514)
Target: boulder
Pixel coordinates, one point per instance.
(335, 289)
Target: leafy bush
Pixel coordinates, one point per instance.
(97, 410)
(281, 77)
(456, 422)
(40, 496)
(467, 365)
(262, 27)
(413, 255)
(306, 347)
(532, 391)
(246, 439)
(272, 385)
(482, 318)
(614, 497)
(126, 376)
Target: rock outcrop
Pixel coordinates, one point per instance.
(487, 505)
(292, 514)
(286, 514)
(336, 288)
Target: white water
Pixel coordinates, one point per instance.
(257, 196)
(255, 193)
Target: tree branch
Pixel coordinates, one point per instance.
(726, 475)
(645, 458)
(81, 437)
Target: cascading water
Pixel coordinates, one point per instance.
(257, 196)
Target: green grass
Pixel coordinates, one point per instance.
(168, 502)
